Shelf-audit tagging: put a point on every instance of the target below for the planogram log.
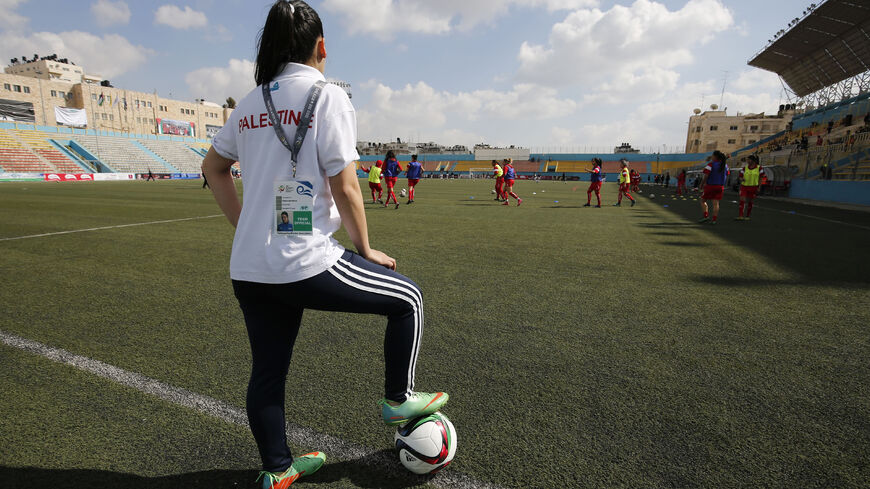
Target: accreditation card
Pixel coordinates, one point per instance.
(294, 208)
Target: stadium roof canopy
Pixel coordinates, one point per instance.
(827, 46)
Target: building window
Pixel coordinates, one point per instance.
(104, 116)
(26, 89)
(753, 128)
(93, 96)
(7, 86)
(732, 141)
(54, 93)
(111, 117)
(714, 128)
(751, 141)
(16, 88)
(149, 104)
(733, 128)
(69, 95)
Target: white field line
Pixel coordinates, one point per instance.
(832, 221)
(111, 227)
(335, 448)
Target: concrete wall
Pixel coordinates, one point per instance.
(110, 116)
(831, 191)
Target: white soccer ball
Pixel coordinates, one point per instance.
(426, 444)
(652, 196)
(493, 191)
(403, 192)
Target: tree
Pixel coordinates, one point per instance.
(231, 103)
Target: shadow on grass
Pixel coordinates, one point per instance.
(360, 472)
(813, 243)
(683, 244)
(666, 234)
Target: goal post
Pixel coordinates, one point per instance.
(474, 173)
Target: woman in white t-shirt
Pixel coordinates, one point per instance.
(284, 258)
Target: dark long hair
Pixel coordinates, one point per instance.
(289, 36)
(391, 155)
(721, 158)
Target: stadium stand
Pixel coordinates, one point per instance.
(37, 142)
(178, 154)
(14, 157)
(121, 155)
(527, 166)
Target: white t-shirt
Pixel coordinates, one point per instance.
(329, 147)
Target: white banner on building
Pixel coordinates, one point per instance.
(71, 117)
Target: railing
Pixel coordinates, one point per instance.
(815, 157)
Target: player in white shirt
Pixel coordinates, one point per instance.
(284, 258)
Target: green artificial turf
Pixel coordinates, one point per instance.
(581, 347)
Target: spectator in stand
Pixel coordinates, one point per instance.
(830, 126)
(819, 141)
(867, 119)
(804, 143)
(667, 179)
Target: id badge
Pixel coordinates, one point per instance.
(294, 208)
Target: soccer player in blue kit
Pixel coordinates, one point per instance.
(414, 172)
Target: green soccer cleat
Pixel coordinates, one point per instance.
(417, 404)
(703, 220)
(302, 467)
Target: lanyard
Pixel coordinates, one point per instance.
(304, 119)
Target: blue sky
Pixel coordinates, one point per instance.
(570, 75)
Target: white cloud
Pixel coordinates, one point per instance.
(651, 83)
(217, 83)
(650, 124)
(86, 49)
(419, 107)
(8, 17)
(385, 18)
(624, 46)
(755, 79)
(177, 18)
(109, 13)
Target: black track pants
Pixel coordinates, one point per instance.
(273, 313)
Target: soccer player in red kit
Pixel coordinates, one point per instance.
(713, 183)
(624, 183)
(498, 174)
(375, 180)
(596, 177)
(414, 173)
(391, 175)
(681, 183)
(635, 181)
(510, 175)
(750, 178)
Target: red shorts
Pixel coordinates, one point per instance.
(509, 183)
(713, 192)
(391, 181)
(748, 192)
(623, 187)
(375, 186)
(413, 181)
(594, 187)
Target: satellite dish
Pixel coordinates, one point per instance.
(697, 111)
(714, 107)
